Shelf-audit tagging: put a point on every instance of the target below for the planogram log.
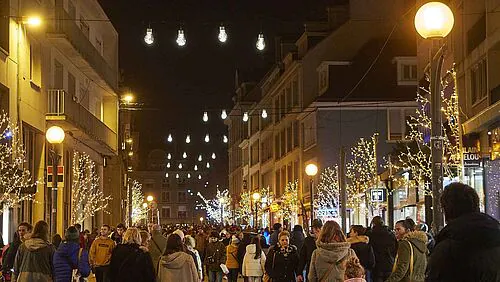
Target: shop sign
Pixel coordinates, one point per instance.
(274, 207)
(331, 213)
(471, 157)
(378, 195)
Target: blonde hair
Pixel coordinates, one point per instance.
(284, 233)
(331, 232)
(132, 236)
(353, 269)
(190, 241)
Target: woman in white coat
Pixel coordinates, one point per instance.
(254, 261)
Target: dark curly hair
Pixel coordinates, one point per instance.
(459, 199)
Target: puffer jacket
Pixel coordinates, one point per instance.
(364, 251)
(417, 241)
(232, 256)
(176, 267)
(215, 255)
(34, 261)
(330, 255)
(251, 266)
(66, 259)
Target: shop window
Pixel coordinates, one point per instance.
(478, 82)
(165, 212)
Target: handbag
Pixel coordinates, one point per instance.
(411, 261)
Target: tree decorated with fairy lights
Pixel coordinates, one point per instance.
(289, 201)
(214, 206)
(414, 153)
(16, 182)
(362, 170)
(139, 211)
(328, 189)
(244, 211)
(87, 198)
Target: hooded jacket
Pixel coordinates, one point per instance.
(130, 263)
(330, 255)
(364, 251)
(401, 270)
(251, 266)
(467, 249)
(384, 245)
(34, 261)
(156, 247)
(66, 259)
(176, 267)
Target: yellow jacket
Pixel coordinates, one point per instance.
(100, 251)
(231, 255)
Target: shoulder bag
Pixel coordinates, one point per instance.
(411, 261)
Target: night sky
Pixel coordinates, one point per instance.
(182, 82)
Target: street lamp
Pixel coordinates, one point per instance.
(434, 20)
(33, 21)
(222, 201)
(128, 98)
(256, 197)
(145, 206)
(311, 171)
(201, 220)
(54, 135)
(150, 198)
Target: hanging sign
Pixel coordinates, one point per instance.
(471, 157)
(274, 207)
(378, 195)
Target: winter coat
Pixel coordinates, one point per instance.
(9, 256)
(130, 263)
(201, 243)
(157, 247)
(34, 261)
(329, 255)
(384, 245)
(364, 251)
(215, 255)
(66, 259)
(232, 256)
(467, 249)
(177, 267)
(401, 270)
(281, 264)
(306, 253)
(197, 262)
(297, 239)
(251, 266)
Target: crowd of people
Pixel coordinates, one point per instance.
(467, 249)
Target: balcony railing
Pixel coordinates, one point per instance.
(66, 26)
(61, 106)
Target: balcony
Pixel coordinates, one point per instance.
(79, 122)
(67, 36)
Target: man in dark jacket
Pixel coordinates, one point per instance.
(23, 229)
(274, 236)
(468, 248)
(384, 244)
(308, 248)
(215, 255)
(297, 237)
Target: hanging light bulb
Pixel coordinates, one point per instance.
(264, 113)
(166, 175)
(181, 38)
(168, 165)
(195, 167)
(261, 43)
(224, 139)
(222, 34)
(180, 166)
(184, 155)
(207, 138)
(149, 38)
(199, 176)
(200, 158)
(188, 139)
(169, 138)
(245, 116)
(213, 156)
(205, 116)
(208, 165)
(189, 175)
(177, 176)
(169, 156)
(223, 115)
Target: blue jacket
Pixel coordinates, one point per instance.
(66, 259)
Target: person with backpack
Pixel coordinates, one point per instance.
(254, 261)
(71, 262)
(9, 253)
(215, 255)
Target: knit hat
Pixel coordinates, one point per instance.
(72, 234)
(180, 233)
(214, 234)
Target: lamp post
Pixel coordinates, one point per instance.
(150, 199)
(144, 206)
(311, 171)
(434, 20)
(54, 135)
(201, 220)
(222, 201)
(256, 197)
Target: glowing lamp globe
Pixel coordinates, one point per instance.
(55, 135)
(256, 196)
(311, 169)
(149, 198)
(34, 21)
(434, 20)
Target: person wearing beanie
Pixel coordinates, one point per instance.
(70, 256)
(232, 260)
